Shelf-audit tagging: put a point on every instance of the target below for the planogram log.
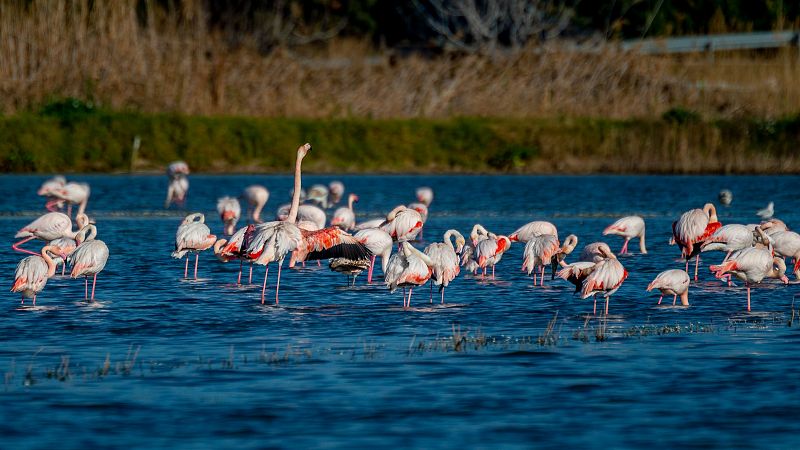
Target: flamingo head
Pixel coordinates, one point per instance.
(303, 150)
(460, 242)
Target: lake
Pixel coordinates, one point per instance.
(159, 362)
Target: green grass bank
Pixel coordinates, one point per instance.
(73, 137)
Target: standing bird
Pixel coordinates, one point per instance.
(62, 248)
(752, 265)
(606, 278)
(177, 169)
(48, 188)
(193, 235)
(305, 213)
(533, 229)
(425, 195)
(469, 260)
(48, 227)
(89, 258)
(595, 252)
(319, 194)
(177, 173)
(445, 260)
(402, 223)
(228, 250)
(256, 197)
(489, 251)
(767, 212)
(628, 227)
(674, 282)
(408, 267)
(577, 272)
(229, 211)
(379, 243)
(73, 194)
(545, 250)
(335, 192)
(730, 238)
(345, 217)
(32, 274)
(692, 229)
(725, 197)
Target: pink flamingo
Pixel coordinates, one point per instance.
(628, 227)
(445, 260)
(408, 267)
(193, 235)
(692, 229)
(402, 223)
(335, 192)
(752, 265)
(32, 274)
(48, 227)
(229, 211)
(74, 194)
(89, 258)
(489, 251)
(62, 248)
(545, 250)
(47, 189)
(379, 243)
(177, 169)
(226, 250)
(469, 259)
(176, 192)
(345, 217)
(577, 272)
(425, 195)
(305, 213)
(256, 197)
(606, 278)
(595, 252)
(533, 229)
(674, 282)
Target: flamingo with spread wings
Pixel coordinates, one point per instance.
(692, 229)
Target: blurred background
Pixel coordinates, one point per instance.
(538, 85)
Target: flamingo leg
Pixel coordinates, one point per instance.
(278, 285)
(16, 245)
(264, 287)
(660, 298)
(186, 268)
(624, 249)
(594, 308)
(606, 305)
(443, 295)
(493, 272)
(431, 297)
(748, 298)
(674, 299)
(63, 268)
(371, 266)
(696, 264)
(196, 257)
(319, 264)
(687, 266)
(410, 291)
(86, 288)
(34, 299)
(250, 279)
(94, 282)
(69, 209)
(239, 280)
(542, 281)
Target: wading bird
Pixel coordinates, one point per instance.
(752, 265)
(256, 197)
(673, 282)
(444, 256)
(193, 235)
(229, 211)
(48, 227)
(606, 278)
(533, 229)
(408, 267)
(32, 274)
(379, 243)
(345, 217)
(628, 227)
(692, 229)
(89, 258)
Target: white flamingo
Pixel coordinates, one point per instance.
(490, 251)
(425, 195)
(628, 227)
(469, 260)
(176, 192)
(193, 235)
(444, 256)
(545, 250)
(379, 243)
(533, 229)
(692, 229)
(32, 274)
(606, 278)
(408, 267)
(256, 197)
(335, 192)
(752, 265)
(48, 227)
(89, 258)
(402, 224)
(673, 282)
(48, 188)
(73, 194)
(345, 217)
(229, 211)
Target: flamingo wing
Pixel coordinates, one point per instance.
(331, 242)
(607, 277)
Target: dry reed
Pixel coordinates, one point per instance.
(161, 61)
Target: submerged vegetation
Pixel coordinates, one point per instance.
(75, 136)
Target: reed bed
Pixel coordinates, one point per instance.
(134, 55)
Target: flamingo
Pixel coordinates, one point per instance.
(674, 282)
(47, 189)
(730, 238)
(62, 248)
(74, 194)
(489, 251)
(48, 227)
(335, 192)
(193, 235)
(606, 278)
(445, 260)
(772, 225)
(89, 258)
(468, 259)
(425, 195)
(349, 266)
(345, 218)
(408, 267)
(271, 241)
(595, 252)
(176, 191)
(402, 223)
(692, 229)
(305, 213)
(229, 211)
(628, 227)
(32, 274)
(256, 197)
(545, 250)
(226, 250)
(177, 169)
(767, 212)
(372, 223)
(752, 265)
(379, 243)
(725, 197)
(787, 245)
(533, 229)
(318, 194)
(423, 214)
(576, 273)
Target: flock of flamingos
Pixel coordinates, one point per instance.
(753, 252)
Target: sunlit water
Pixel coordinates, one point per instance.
(161, 362)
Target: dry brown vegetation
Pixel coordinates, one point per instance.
(170, 62)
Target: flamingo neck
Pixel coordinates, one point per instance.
(642, 248)
(296, 194)
(218, 246)
(350, 202)
(447, 236)
(257, 212)
(51, 265)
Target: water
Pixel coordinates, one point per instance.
(161, 362)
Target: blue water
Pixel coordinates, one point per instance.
(161, 362)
